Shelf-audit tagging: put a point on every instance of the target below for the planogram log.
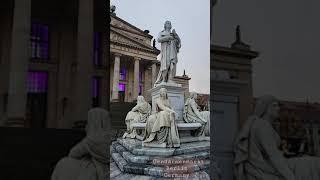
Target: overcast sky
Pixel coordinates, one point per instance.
(190, 19)
(287, 35)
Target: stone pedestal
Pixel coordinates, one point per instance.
(175, 94)
(225, 118)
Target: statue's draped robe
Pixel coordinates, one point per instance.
(169, 51)
(161, 126)
(191, 114)
(88, 160)
(257, 156)
(138, 114)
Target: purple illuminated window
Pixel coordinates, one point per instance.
(39, 41)
(122, 87)
(123, 73)
(95, 91)
(37, 82)
(97, 49)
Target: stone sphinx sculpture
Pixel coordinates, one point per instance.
(191, 114)
(161, 127)
(170, 45)
(257, 154)
(138, 114)
(88, 160)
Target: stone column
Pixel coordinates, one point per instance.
(136, 78)
(19, 55)
(116, 77)
(154, 73)
(84, 67)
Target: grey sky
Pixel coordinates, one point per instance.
(190, 19)
(286, 33)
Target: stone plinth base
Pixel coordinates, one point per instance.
(175, 94)
(131, 159)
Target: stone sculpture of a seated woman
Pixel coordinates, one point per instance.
(161, 128)
(88, 160)
(138, 114)
(257, 153)
(191, 114)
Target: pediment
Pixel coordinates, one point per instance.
(125, 40)
(123, 25)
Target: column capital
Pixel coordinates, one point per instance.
(117, 54)
(137, 58)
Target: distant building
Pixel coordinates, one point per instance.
(297, 123)
(134, 64)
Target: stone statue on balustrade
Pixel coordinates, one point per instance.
(257, 149)
(191, 114)
(170, 45)
(88, 160)
(161, 128)
(138, 114)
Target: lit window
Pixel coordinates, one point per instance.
(122, 87)
(37, 82)
(123, 73)
(39, 41)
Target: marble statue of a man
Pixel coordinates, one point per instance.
(138, 114)
(170, 45)
(88, 160)
(191, 114)
(161, 126)
(257, 149)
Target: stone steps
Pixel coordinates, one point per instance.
(142, 159)
(135, 147)
(129, 163)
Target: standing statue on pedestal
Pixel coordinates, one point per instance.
(257, 149)
(170, 45)
(161, 127)
(138, 114)
(191, 114)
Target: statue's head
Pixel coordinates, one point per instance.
(167, 25)
(163, 93)
(97, 120)
(140, 99)
(267, 105)
(193, 95)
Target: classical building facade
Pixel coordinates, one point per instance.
(53, 62)
(134, 64)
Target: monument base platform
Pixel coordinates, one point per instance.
(175, 95)
(190, 159)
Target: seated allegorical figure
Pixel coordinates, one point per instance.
(88, 160)
(138, 114)
(161, 126)
(257, 149)
(191, 114)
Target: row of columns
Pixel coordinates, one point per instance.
(116, 76)
(20, 55)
